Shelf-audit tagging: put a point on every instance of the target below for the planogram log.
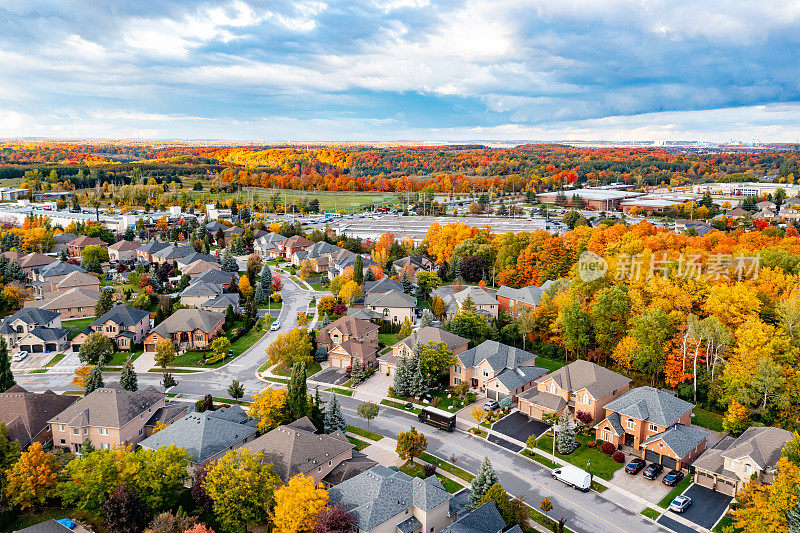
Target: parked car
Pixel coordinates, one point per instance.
(635, 466)
(673, 477)
(680, 504)
(491, 405)
(275, 326)
(653, 471)
(19, 356)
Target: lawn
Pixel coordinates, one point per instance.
(602, 464)
(549, 364)
(651, 513)
(359, 444)
(317, 286)
(398, 405)
(389, 339)
(679, 488)
(272, 305)
(447, 467)
(76, 326)
(239, 346)
(311, 369)
(342, 392)
(479, 432)
(706, 419)
(417, 470)
(55, 360)
(364, 433)
(38, 371)
(724, 523)
(539, 459)
(119, 358)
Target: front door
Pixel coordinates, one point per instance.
(474, 383)
(628, 439)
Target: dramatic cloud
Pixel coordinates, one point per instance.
(402, 69)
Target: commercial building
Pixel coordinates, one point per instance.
(596, 199)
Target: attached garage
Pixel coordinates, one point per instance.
(495, 394)
(652, 457)
(669, 462)
(149, 348)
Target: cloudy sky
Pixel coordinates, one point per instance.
(357, 70)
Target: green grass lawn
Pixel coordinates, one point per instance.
(724, 523)
(38, 371)
(272, 305)
(399, 405)
(119, 358)
(55, 360)
(328, 201)
(342, 392)
(389, 339)
(76, 326)
(417, 470)
(311, 369)
(317, 286)
(549, 364)
(359, 444)
(530, 454)
(479, 432)
(242, 344)
(679, 488)
(707, 419)
(364, 433)
(651, 513)
(447, 467)
(602, 464)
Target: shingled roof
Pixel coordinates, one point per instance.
(110, 407)
(385, 284)
(654, 405)
(762, 444)
(348, 325)
(483, 519)
(32, 315)
(390, 299)
(58, 268)
(498, 356)
(78, 279)
(432, 334)
(597, 380)
(189, 320)
(680, 439)
(122, 315)
(26, 413)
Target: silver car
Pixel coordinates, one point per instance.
(680, 504)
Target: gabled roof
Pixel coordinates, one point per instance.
(189, 320)
(201, 266)
(392, 299)
(78, 279)
(174, 252)
(416, 261)
(296, 241)
(122, 315)
(195, 257)
(553, 402)
(58, 268)
(48, 334)
(48, 526)
(215, 275)
(357, 349)
(33, 315)
(531, 295)
(35, 259)
(431, 334)
(64, 238)
(202, 288)
(762, 444)
(349, 326)
(364, 314)
(597, 380)
(152, 247)
(206, 434)
(478, 295)
(125, 246)
(84, 241)
(498, 356)
(214, 226)
(76, 297)
(26, 413)
(271, 238)
(110, 407)
(295, 448)
(380, 494)
(385, 284)
(483, 519)
(514, 378)
(222, 301)
(654, 405)
(680, 439)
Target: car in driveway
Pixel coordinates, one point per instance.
(680, 504)
(19, 356)
(672, 478)
(635, 466)
(653, 471)
(491, 405)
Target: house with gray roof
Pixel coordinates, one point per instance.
(530, 296)
(145, 251)
(217, 276)
(44, 279)
(483, 301)
(206, 436)
(645, 420)
(186, 329)
(496, 370)
(109, 416)
(394, 306)
(405, 348)
(221, 302)
(386, 500)
(187, 260)
(77, 302)
(200, 292)
(172, 253)
(413, 263)
(44, 340)
(483, 519)
(579, 386)
(125, 326)
(733, 462)
(385, 284)
(16, 326)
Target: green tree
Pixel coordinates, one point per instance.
(315, 412)
(791, 450)
(236, 390)
(368, 411)
(402, 378)
(481, 483)
(505, 505)
(9, 454)
(86, 446)
(97, 349)
(358, 270)
(565, 438)
(577, 328)
(165, 353)
(793, 514)
(127, 378)
(6, 376)
(767, 387)
(405, 330)
(470, 325)
(94, 254)
(242, 487)
(297, 393)
(651, 329)
(104, 303)
(610, 316)
(94, 380)
(357, 372)
(411, 444)
(162, 476)
(168, 381)
(334, 419)
(435, 358)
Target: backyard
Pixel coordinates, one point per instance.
(417, 470)
(76, 326)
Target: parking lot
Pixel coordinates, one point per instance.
(707, 507)
(519, 427)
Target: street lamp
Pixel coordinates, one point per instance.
(589, 468)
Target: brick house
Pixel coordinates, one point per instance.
(347, 339)
(187, 329)
(290, 246)
(529, 297)
(126, 326)
(26, 414)
(496, 370)
(109, 416)
(34, 260)
(579, 386)
(655, 424)
(144, 253)
(73, 303)
(75, 247)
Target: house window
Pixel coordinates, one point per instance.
(456, 380)
(653, 427)
(486, 373)
(141, 432)
(61, 427)
(63, 441)
(386, 312)
(457, 369)
(105, 446)
(85, 431)
(104, 431)
(330, 463)
(585, 398)
(319, 469)
(606, 435)
(76, 431)
(631, 424)
(552, 388)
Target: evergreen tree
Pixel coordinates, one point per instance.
(481, 483)
(104, 303)
(427, 319)
(128, 379)
(258, 295)
(793, 515)
(168, 381)
(14, 272)
(95, 379)
(418, 386)
(230, 316)
(297, 393)
(228, 262)
(402, 378)
(6, 376)
(370, 276)
(565, 439)
(238, 246)
(86, 447)
(315, 412)
(334, 419)
(266, 280)
(358, 270)
(357, 372)
(407, 287)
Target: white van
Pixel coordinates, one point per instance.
(572, 475)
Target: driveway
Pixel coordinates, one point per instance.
(707, 507)
(375, 388)
(674, 525)
(332, 376)
(651, 490)
(518, 426)
(516, 448)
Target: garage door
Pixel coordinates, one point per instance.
(37, 348)
(668, 462)
(650, 455)
(51, 347)
(704, 480)
(149, 347)
(491, 394)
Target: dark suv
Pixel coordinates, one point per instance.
(673, 477)
(635, 466)
(653, 471)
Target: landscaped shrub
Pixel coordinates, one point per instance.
(618, 457)
(437, 400)
(608, 448)
(428, 469)
(591, 444)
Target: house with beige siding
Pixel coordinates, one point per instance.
(394, 306)
(579, 386)
(187, 329)
(73, 303)
(348, 339)
(125, 326)
(123, 251)
(16, 326)
(482, 300)
(405, 348)
(109, 416)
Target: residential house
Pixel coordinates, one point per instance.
(388, 501)
(109, 416)
(206, 436)
(123, 251)
(428, 334)
(348, 339)
(44, 340)
(62, 242)
(343, 260)
(26, 414)
(296, 448)
(45, 279)
(75, 247)
(221, 302)
(198, 293)
(217, 276)
(737, 212)
(394, 306)
(59, 284)
(187, 328)
(171, 412)
(126, 326)
(16, 326)
(198, 267)
(287, 248)
(144, 253)
(484, 302)
(208, 259)
(413, 263)
(483, 519)
(579, 386)
(383, 285)
(73, 303)
(733, 462)
(34, 260)
(531, 296)
(496, 370)
(171, 253)
(53, 526)
(266, 244)
(655, 424)
(319, 252)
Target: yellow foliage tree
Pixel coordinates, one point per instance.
(81, 374)
(267, 408)
(733, 305)
(158, 427)
(735, 420)
(623, 354)
(350, 292)
(297, 504)
(245, 289)
(763, 507)
(32, 478)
